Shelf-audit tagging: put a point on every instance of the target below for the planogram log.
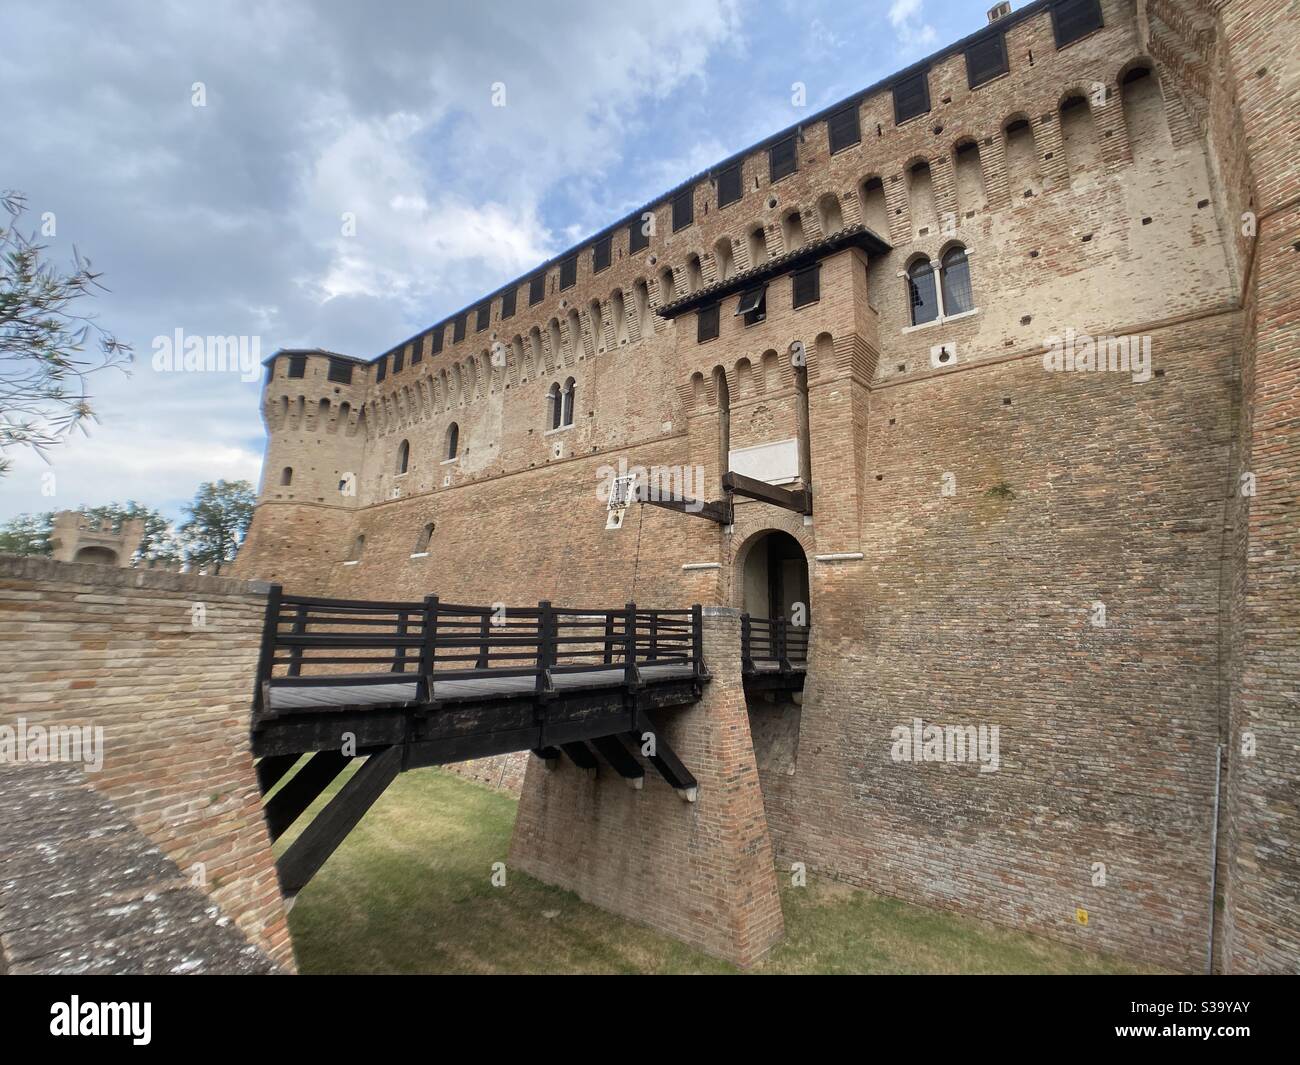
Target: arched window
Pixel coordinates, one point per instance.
(641, 298)
(619, 310)
(792, 231)
(726, 263)
(554, 407)
(921, 292)
(955, 274)
(920, 193)
(1022, 158)
(403, 456)
(286, 476)
(453, 440)
(694, 273)
(830, 215)
(1079, 135)
(667, 286)
(568, 396)
(969, 177)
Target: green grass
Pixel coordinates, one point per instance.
(409, 891)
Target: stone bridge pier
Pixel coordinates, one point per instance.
(701, 871)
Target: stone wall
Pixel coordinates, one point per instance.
(165, 665)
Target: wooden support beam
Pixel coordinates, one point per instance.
(719, 512)
(580, 754)
(665, 759)
(272, 768)
(611, 749)
(331, 826)
(301, 790)
(797, 499)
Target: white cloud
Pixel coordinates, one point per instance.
(914, 34)
(225, 219)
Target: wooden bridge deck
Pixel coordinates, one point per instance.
(399, 685)
(407, 693)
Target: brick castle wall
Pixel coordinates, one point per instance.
(120, 649)
(1120, 218)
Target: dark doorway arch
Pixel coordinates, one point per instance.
(774, 578)
(97, 556)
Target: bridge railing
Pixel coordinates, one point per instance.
(772, 645)
(316, 642)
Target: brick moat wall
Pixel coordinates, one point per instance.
(165, 665)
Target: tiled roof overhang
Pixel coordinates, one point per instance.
(848, 237)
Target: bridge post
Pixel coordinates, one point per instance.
(697, 640)
(428, 651)
(546, 648)
(631, 675)
(703, 871)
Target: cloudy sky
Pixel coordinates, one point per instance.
(226, 219)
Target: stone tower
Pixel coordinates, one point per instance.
(79, 538)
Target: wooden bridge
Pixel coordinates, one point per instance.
(409, 684)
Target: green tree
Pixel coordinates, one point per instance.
(44, 362)
(216, 523)
(27, 534)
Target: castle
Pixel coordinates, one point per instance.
(1015, 329)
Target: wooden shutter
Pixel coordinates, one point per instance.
(911, 97)
(843, 129)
